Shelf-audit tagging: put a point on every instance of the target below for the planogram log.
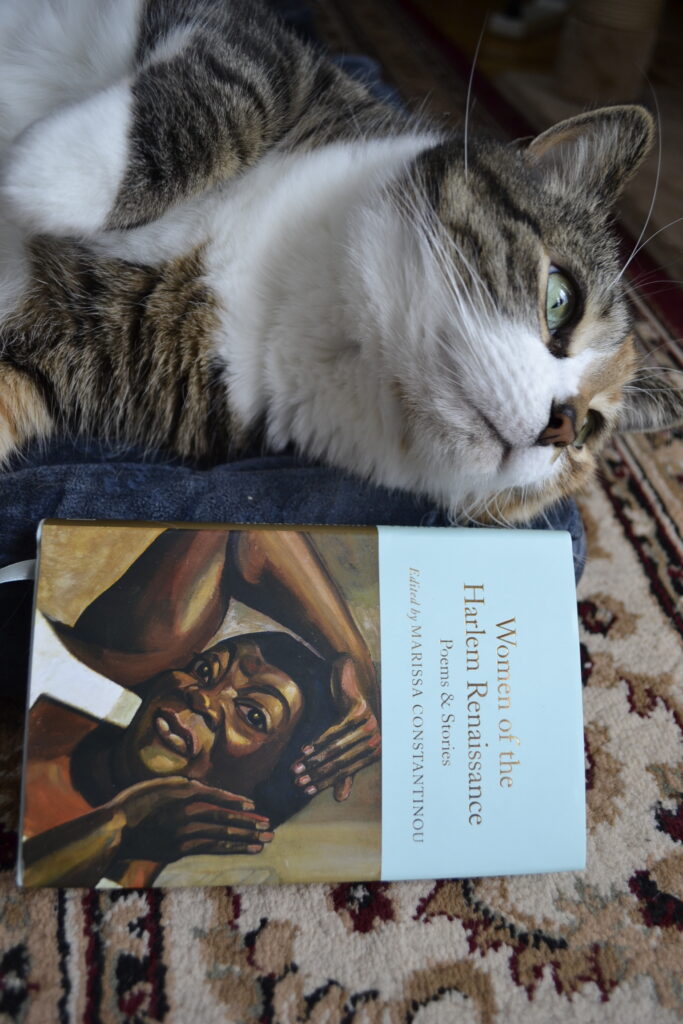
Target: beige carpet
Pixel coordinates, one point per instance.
(601, 945)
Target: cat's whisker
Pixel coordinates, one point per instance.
(500, 519)
(431, 232)
(468, 98)
(664, 227)
(635, 293)
(468, 313)
(481, 287)
(637, 287)
(645, 391)
(663, 345)
(644, 277)
(468, 514)
(655, 190)
(445, 342)
(544, 514)
(646, 370)
(484, 512)
(418, 117)
(442, 242)
(460, 293)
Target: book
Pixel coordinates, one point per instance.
(213, 705)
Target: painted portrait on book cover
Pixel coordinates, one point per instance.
(204, 707)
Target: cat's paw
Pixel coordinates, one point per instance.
(64, 173)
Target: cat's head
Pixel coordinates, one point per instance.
(507, 356)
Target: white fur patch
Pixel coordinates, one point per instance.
(277, 251)
(54, 53)
(64, 173)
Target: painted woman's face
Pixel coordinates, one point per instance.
(224, 719)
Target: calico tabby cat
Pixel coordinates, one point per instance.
(210, 233)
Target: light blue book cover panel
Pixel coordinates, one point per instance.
(482, 756)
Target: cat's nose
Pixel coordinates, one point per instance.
(561, 429)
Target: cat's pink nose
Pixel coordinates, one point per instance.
(561, 429)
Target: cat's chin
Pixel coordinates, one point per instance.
(570, 473)
(529, 481)
(530, 467)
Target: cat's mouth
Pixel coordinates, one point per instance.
(529, 467)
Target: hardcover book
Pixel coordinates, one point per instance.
(213, 705)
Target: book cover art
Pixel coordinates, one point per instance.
(204, 707)
(225, 705)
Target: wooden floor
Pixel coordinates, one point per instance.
(463, 24)
(524, 72)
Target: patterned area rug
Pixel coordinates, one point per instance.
(602, 945)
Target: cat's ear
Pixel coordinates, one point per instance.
(651, 402)
(593, 154)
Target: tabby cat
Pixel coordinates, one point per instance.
(211, 234)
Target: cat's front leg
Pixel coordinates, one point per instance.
(64, 173)
(24, 413)
(122, 157)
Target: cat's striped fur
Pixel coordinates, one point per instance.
(123, 348)
(210, 231)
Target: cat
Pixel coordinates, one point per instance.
(212, 236)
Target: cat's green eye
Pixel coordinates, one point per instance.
(560, 300)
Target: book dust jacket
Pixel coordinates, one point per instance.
(214, 705)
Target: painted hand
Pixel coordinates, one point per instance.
(353, 743)
(174, 817)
